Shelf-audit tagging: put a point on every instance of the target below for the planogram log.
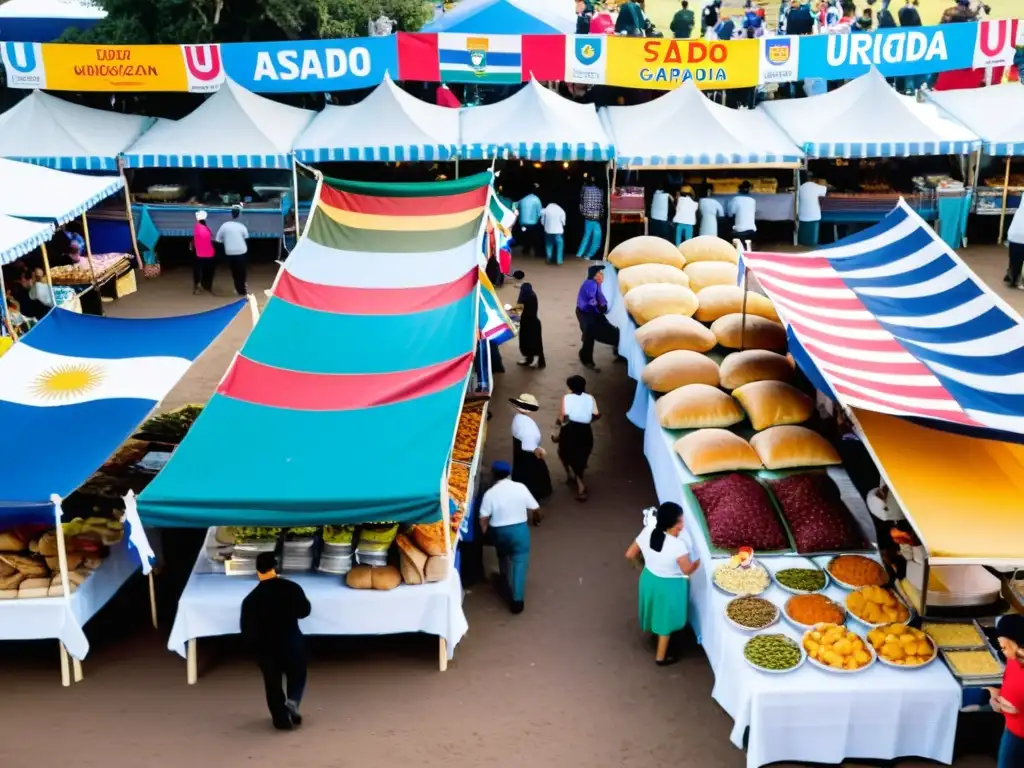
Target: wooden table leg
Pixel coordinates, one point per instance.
(76, 666)
(65, 671)
(443, 654)
(152, 600)
(190, 664)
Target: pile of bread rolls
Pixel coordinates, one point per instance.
(686, 302)
(422, 558)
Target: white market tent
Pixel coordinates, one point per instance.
(685, 128)
(534, 124)
(34, 192)
(995, 113)
(389, 125)
(867, 118)
(233, 128)
(48, 131)
(18, 237)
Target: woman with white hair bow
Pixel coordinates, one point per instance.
(204, 265)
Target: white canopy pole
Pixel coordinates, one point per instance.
(62, 561)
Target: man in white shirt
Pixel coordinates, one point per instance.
(659, 214)
(743, 210)
(686, 215)
(809, 208)
(233, 235)
(504, 514)
(1015, 239)
(710, 210)
(553, 219)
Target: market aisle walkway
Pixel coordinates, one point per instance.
(568, 683)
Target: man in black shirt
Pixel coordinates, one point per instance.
(270, 625)
(709, 16)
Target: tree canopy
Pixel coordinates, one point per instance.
(138, 22)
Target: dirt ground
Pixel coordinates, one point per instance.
(570, 682)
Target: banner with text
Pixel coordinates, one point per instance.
(666, 64)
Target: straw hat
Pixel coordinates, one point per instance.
(525, 403)
(200, 215)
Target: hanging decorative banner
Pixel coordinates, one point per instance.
(114, 67)
(480, 58)
(666, 64)
(996, 42)
(586, 59)
(780, 59)
(203, 67)
(24, 65)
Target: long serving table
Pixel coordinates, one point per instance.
(211, 604)
(808, 715)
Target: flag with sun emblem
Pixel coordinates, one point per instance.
(76, 387)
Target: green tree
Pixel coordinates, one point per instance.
(137, 22)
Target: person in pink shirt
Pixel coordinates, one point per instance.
(202, 244)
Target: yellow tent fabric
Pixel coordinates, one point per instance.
(964, 495)
(5, 343)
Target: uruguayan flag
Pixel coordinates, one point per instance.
(494, 323)
(80, 385)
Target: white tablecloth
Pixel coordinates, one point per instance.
(55, 618)
(211, 604)
(809, 715)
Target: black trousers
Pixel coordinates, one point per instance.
(239, 273)
(289, 664)
(595, 327)
(202, 273)
(1016, 263)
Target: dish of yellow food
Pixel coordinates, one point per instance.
(974, 663)
(468, 431)
(954, 635)
(902, 646)
(836, 649)
(876, 605)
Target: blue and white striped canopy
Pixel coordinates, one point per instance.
(18, 237)
(995, 113)
(539, 152)
(34, 192)
(896, 323)
(685, 128)
(867, 118)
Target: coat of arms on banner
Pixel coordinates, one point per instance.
(588, 50)
(477, 48)
(777, 51)
(780, 59)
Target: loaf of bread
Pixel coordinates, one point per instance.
(739, 368)
(718, 300)
(708, 248)
(360, 577)
(716, 450)
(643, 274)
(47, 545)
(74, 560)
(411, 560)
(30, 567)
(645, 250)
(12, 542)
(677, 369)
(12, 582)
(668, 332)
(78, 577)
(773, 403)
(790, 446)
(760, 333)
(705, 273)
(385, 577)
(646, 302)
(8, 594)
(429, 537)
(34, 588)
(697, 406)
(437, 569)
(6, 570)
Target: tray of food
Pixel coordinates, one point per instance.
(736, 511)
(834, 648)
(974, 665)
(808, 611)
(801, 581)
(877, 606)
(955, 635)
(902, 647)
(750, 613)
(774, 654)
(739, 580)
(855, 571)
(815, 514)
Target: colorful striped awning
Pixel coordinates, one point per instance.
(896, 323)
(342, 405)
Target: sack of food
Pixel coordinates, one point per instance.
(716, 301)
(697, 406)
(677, 369)
(646, 302)
(705, 273)
(708, 248)
(716, 450)
(412, 560)
(668, 332)
(772, 403)
(792, 446)
(429, 537)
(751, 332)
(644, 274)
(436, 570)
(739, 368)
(645, 250)
(374, 542)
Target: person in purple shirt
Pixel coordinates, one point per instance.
(591, 311)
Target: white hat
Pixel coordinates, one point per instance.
(200, 215)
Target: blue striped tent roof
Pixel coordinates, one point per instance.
(18, 237)
(685, 128)
(33, 192)
(995, 113)
(867, 118)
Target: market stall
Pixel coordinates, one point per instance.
(91, 381)
(17, 238)
(866, 124)
(684, 130)
(388, 274)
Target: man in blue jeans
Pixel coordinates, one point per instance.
(592, 208)
(553, 219)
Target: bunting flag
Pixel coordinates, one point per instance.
(503, 217)
(495, 324)
(342, 405)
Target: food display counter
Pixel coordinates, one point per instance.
(869, 208)
(989, 201)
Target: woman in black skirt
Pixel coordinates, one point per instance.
(531, 345)
(576, 438)
(528, 465)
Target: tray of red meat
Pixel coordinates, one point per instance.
(815, 514)
(736, 511)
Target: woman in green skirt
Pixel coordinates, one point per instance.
(665, 582)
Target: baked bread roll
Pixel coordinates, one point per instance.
(644, 274)
(761, 333)
(6, 570)
(12, 542)
(34, 588)
(718, 300)
(8, 594)
(645, 250)
(437, 569)
(74, 560)
(48, 544)
(646, 302)
(429, 537)
(411, 560)
(739, 368)
(30, 567)
(786, 447)
(772, 403)
(385, 577)
(708, 248)
(716, 450)
(12, 582)
(696, 406)
(668, 332)
(677, 369)
(705, 273)
(360, 577)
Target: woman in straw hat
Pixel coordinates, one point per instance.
(528, 465)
